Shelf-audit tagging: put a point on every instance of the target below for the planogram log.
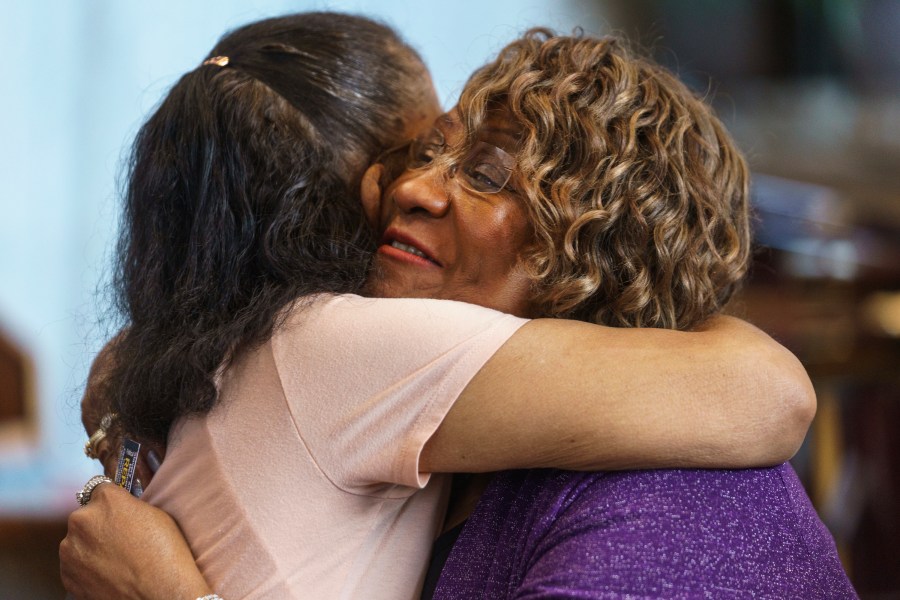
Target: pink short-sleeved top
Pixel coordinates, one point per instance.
(303, 481)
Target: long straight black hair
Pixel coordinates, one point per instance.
(242, 197)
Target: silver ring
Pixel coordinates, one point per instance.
(84, 496)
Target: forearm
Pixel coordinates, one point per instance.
(560, 394)
(731, 397)
(759, 397)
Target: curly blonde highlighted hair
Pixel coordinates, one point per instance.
(637, 194)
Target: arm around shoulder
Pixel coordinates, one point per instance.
(573, 395)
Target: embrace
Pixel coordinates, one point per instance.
(380, 350)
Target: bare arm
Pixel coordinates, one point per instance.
(572, 395)
(151, 562)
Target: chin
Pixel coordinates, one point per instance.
(385, 282)
(385, 288)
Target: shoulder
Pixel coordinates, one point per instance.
(349, 311)
(710, 530)
(697, 508)
(409, 331)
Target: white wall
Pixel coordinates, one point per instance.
(78, 77)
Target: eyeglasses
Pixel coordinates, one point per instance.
(485, 168)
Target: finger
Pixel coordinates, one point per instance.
(153, 460)
(156, 453)
(67, 573)
(142, 474)
(69, 566)
(92, 405)
(106, 492)
(107, 501)
(109, 456)
(65, 550)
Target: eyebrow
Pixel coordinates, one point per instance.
(506, 138)
(512, 133)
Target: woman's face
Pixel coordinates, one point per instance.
(448, 233)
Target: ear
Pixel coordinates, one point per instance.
(370, 193)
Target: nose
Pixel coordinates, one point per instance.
(424, 191)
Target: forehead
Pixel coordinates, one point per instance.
(498, 128)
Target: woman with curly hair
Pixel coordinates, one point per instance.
(634, 202)
(322, 420)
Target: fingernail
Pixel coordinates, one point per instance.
(137, 490)
(153, 461)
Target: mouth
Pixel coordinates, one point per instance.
(407, 248)
(402, 247)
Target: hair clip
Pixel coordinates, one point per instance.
(219, 61)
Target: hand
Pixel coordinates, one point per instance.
(120, 547)
(95, 404)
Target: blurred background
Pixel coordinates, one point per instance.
(810, 89)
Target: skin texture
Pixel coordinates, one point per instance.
(474, 240)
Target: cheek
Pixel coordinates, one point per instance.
(494, 242)
(503, 278)
(505, 214)
(511, 233)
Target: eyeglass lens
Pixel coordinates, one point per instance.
(485, 168)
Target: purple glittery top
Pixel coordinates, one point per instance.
(644, 534)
